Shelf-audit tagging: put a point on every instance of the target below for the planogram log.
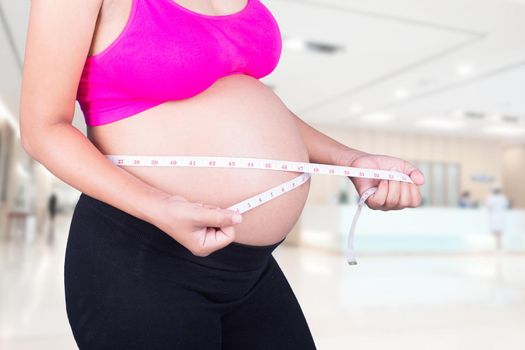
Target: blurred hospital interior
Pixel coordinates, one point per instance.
(438, 83)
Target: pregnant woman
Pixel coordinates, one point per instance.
(154, 259)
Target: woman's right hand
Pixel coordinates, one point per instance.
(201, 228)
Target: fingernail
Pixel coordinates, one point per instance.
(237, 218)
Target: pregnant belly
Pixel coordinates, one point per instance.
(238, 116)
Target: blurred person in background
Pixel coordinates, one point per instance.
(465, 201)
(52, 204)
(497, 204)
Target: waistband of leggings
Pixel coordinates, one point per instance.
(243, 255)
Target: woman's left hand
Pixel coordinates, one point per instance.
(391, 194)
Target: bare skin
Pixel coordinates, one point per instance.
(237, 116)
(216, 123)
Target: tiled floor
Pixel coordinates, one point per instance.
(417, 302)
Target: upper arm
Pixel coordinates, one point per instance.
(58, 41)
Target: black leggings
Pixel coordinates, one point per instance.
(131, 286)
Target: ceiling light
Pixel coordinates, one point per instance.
(510, 118)
(294, 43)
(401, 93)
(464, 69)
(440, 123)
(474, 115)
(377, 117)
(321, 47)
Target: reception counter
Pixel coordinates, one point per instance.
(430, 229)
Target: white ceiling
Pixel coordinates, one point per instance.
(415, 46)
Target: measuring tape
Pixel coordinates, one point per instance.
(271, 164)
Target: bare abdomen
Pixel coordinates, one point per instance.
(238, 116)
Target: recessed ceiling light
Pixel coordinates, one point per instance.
(440, 123)
(356, 108)
(474, 115)
(401, 93)
(321, 47)
(510, 118)
(377, 117)
(464, 69)
(294, 43)
(310, 45)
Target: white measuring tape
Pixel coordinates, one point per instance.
(270, 164)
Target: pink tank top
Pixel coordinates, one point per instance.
(168, 52)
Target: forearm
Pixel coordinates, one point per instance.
(71, 156)
(322, 148)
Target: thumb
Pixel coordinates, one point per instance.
(415, 174)
(216, 217)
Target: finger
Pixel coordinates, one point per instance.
(392, 198)
(405, 197)
(415, 196)
(218, 238)
(362, 184)
(216, 217)
(418, 177)
(377, 200)
(414, 173)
